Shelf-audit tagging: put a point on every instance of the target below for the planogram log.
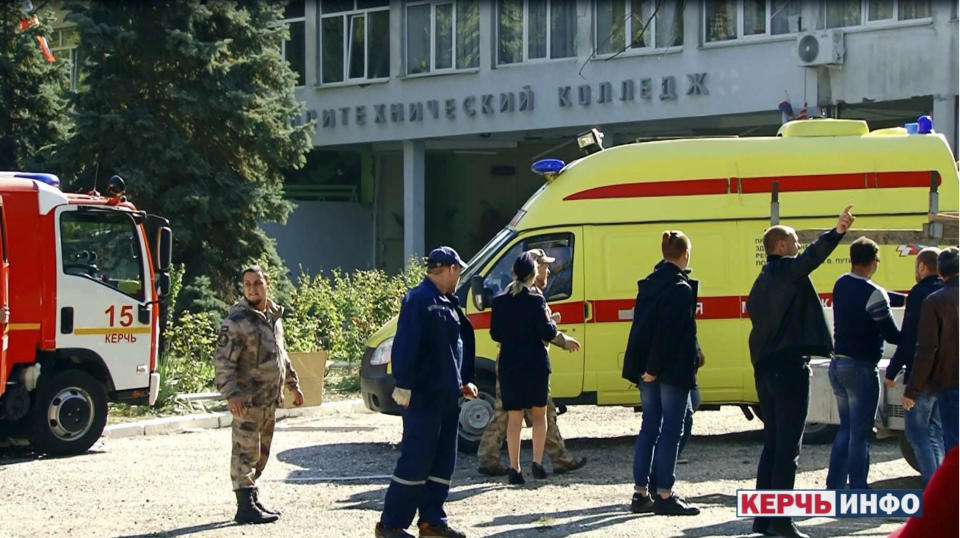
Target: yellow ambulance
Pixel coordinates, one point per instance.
(602, 215)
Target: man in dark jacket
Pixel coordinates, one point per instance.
(935, 364)
(433, 364)
(663, 346)
(921, 423)
(788, 327)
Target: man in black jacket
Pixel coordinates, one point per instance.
(788, 327)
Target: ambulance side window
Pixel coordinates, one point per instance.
(103, 247)
(556, 245)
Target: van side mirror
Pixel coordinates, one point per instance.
(482, 297)
(163, 284)
(164, 249)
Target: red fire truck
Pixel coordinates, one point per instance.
(84, 308)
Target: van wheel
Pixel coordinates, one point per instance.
(69, 413)
(476, 414)
(815, 433)
(906, 450)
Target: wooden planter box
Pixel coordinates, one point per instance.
(310, 368)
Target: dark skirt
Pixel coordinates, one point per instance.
(523, 389)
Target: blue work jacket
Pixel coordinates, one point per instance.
(434, 346)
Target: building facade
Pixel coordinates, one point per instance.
(429, 113)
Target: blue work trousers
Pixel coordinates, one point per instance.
(856, 384)
(923, 429)
(428, 454)
(664, 411)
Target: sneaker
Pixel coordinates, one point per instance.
(386, 532)
(577, 463)
(538, 471)
(673, 506)
(499, 470)
(440, 529)
(515, 477)
(641, 504)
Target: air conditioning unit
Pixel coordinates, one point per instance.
(823, 47)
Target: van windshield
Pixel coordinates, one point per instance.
(480, 259)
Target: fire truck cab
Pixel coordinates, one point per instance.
(84, 298)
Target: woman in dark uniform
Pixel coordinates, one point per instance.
(521, 324)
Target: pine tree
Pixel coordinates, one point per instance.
(193, 105)
(32, 100)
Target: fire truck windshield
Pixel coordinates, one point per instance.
(105, 247)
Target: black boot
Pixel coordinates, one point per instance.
(255, 493)
(247, 512)
(538, 471)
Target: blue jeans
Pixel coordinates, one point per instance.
(948, 404)
(922, 428)
(664, 410)
(693, 403)
(856, 385)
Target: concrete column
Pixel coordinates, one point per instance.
(945, 118)
(413, 199)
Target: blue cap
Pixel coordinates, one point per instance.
(524, 266)
(445, 256)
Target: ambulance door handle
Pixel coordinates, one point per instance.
(587, 313)
(66, 320)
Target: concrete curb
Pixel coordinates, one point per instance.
(207, 421)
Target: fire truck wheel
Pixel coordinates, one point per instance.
(70, 413)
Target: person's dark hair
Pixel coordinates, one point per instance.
(673, 244)
(863, 251)
(928, 258)
(255, 269)
(947, 262)
(773, 236)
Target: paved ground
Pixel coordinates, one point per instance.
(329, 473)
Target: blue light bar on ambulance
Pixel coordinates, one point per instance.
(924, 125)
(548, 166)
(49, 179)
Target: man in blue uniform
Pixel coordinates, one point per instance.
(433, 365)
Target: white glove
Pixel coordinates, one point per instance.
(401, 396)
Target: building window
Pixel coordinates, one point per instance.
(837, 14)
(63, 44)
(535, 30)
(294, 48)
(354, 40)
(442, 36)
(733, 19)
(637, 24)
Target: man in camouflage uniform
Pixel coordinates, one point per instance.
(252, 367)
(488, 453)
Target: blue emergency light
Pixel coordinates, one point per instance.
(924, 125)
(548, 166)
(49, 179)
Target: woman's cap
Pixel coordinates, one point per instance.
(524, 266)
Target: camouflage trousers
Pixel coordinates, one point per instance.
(488, 453)
(251, 438)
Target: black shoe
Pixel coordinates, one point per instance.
(255, 494)
(386, 532)
(515, 477)
(247, 512)
(785, 527)
(641, 504)
(440, 529)
(499, 470)
(673, 506)
(577, 463)
(538, 471)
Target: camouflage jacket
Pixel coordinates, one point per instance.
(251, 358)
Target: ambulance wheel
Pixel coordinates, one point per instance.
(906, 450)
(815, 433)
(476, 414)
(69, 413)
